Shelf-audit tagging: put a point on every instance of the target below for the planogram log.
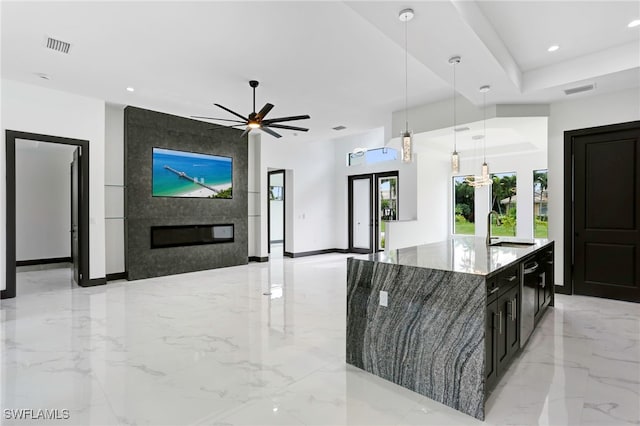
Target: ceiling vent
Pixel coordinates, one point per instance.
(580, 89)
(57, 45)
(338, 128)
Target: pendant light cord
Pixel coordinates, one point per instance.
(484, 123)
(406, 77)
(455, 136)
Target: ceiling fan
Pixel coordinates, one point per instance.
(256, 120)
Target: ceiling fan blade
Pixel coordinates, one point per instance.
(264, 111)
(247, 130)
(281, 126)
(292, 118)
(218, 119)
(232, 112)
(271, 132)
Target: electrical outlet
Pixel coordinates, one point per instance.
(384, 298)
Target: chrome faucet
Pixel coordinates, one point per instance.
(489, 237)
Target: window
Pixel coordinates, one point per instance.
(504, 201)
(276, 193)
(464, 205)
(371, 156)
(540, 218)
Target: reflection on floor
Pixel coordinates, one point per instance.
(264, 344)
(41, 278)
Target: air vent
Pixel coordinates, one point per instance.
(580, 89)
(58, 45)
(338, 128)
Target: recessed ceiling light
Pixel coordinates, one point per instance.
(130, 89)
(553, 48)
(634, 23)
(44, 76)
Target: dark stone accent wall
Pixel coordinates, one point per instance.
(145, 130)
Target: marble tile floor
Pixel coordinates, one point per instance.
(210, 348)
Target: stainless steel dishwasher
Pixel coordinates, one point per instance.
(531, 276)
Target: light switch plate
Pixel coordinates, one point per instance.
(384, 298)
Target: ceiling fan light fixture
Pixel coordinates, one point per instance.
(254, 124)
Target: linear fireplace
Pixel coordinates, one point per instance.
(190, 235)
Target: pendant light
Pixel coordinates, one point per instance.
(484, 179)
(455, 157)
(407, 143)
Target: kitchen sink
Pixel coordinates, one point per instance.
(515, 244)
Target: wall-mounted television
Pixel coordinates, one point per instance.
(191, 174)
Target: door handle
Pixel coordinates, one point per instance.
(494, 290)
(514, 309)
(500, 322)
(512, 279)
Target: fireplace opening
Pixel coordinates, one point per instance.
(190, 235)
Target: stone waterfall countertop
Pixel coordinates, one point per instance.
(463, 254)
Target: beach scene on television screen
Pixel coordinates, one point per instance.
(192, 175)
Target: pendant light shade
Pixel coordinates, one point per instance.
(407, 148)
(483, 179)
(407, 140)
(455, 157)
(455, 162)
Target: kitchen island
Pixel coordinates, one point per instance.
(445, 319)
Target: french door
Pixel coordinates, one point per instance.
(373, 200)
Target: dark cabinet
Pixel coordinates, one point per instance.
(508, 340)
(517, 297)
(490, 342)
(545, 282)
(502, 327)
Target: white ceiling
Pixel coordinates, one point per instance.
(342, 63)
(504, 136)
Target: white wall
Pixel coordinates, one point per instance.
(40, 110)
(433, 197)
(254, 231)
(43, 200)
(310, 177)
(114, 189)
(407, 177)
(584, 112)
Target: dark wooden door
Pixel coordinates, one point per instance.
(606, 212)
(76, 174)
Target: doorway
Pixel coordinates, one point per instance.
(602, 211)
(373, 200)
(79, 206)
(276, 212)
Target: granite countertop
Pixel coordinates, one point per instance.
(468, 255)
